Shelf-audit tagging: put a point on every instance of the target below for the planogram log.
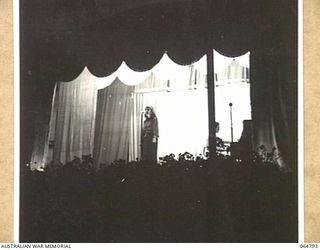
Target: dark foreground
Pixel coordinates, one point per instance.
(185, 201)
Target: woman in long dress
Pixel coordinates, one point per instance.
(150, 136)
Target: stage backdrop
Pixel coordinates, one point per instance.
(102, 116)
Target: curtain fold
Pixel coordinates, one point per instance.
(234, 72)
(37, 161)
(136, 121)
(152, 84)
(111, 138)
(41, 148)
(74, 122)
(274, 103)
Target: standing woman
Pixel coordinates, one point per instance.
(150, 136)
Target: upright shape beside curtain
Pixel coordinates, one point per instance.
(111, 140)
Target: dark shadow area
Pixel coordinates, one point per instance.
(181, 200)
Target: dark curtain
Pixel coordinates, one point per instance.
(274, 105)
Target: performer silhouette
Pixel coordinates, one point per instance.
(150, 134)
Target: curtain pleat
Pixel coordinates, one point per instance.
(111, 140)
(37, 161)
(41, 149)
(74, 124)
(273, 106)
(136, 116)
(234, 72)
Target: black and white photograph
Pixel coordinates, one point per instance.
(158, 121)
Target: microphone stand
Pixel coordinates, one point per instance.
(230, 105)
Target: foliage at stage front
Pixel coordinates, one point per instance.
(268, 158)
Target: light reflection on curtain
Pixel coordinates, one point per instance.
(48, 155)
(41, 149)
(111, 140)
(73, 127)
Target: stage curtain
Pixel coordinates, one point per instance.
(274, 101)
(72, 124)
(111, 138)
(37, 161)
(40, 149)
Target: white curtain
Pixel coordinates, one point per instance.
(37, 161)
(72, 122)
(111, 140)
